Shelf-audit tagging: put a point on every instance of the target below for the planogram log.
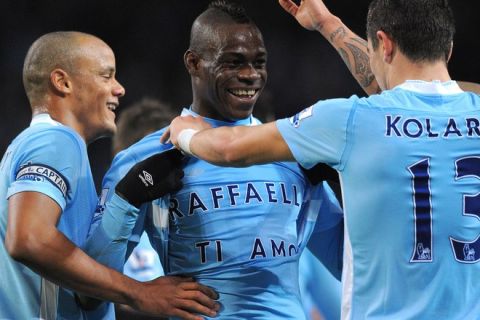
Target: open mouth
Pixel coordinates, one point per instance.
(112, 106)
(244, 93)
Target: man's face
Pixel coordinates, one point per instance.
(233, 73)
(96, 92)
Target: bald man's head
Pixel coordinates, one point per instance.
(51, 51)
(207, 28)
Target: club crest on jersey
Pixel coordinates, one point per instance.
(40, 172)
(305, 113)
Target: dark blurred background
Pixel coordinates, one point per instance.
(149, 38)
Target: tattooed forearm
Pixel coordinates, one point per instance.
(362, 65)
(360, 41)
(345, 58)
(340, 32)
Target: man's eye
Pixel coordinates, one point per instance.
(233, 62)
(260, 63)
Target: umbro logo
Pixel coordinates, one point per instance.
(146, 178)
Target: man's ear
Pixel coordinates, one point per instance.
(191, 60)
(450, 52)
(60, 81)
(387, 45)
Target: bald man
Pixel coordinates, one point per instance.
(48, 195)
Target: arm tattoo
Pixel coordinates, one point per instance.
(345, 59)
(360, 41)
(340, 32)
(362, 65)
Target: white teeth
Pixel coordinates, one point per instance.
(243, 93)
(111, 107)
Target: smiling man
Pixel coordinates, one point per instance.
(48, 195)
(408, 162)
(227, 64)
(238, 231)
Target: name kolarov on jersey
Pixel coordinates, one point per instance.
(415, 127)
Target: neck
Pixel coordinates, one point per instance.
(404, 70)
(39, 109)
(206, 112)
(62, 115)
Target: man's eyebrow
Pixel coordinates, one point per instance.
(109, 69)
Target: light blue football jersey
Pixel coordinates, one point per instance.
(409, 161)
(51, 159)
(237, 230)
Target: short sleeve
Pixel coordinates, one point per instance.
(48, 162)
(121, 165)
(319, 133)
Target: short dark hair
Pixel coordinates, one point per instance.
(422, 29)
(205, 28)
(53, 50)
(233, 9)
(139, 119)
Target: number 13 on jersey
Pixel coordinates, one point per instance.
(423, 251)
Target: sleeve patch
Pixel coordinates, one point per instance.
(305, 113)
(40, 172)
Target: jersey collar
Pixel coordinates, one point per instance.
(249, 121)
(44, 118)
(433, 87)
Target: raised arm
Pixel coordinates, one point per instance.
(314, 15)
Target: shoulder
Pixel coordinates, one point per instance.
(147, 146)
(334, 107)
(137, 152)
(474, 97)
(55, 143)
(53, 136)
(323, 110)
(338, 102)
(47, 157)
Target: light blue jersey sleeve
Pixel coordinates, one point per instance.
(117, 226)
(319, 133)
(108, 242)
(326, 240)
(37, 168)
(32, 164)
(112, 226)
(114, 218)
